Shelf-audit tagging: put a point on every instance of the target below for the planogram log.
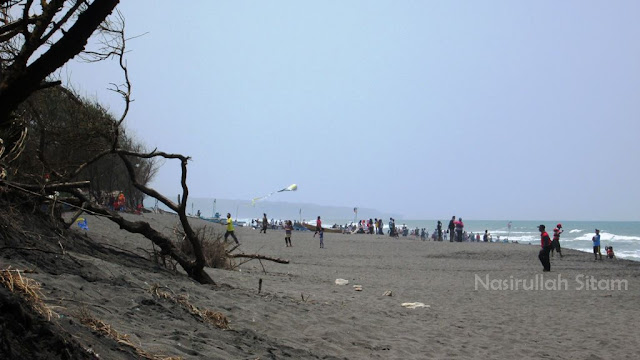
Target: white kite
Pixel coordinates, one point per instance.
(292, 187)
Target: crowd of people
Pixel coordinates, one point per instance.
(454, 232)
(119, 203)
(548, 246)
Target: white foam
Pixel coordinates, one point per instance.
(575, 231)
(631, 254)
(622, 254)
(604, 236)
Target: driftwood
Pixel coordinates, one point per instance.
(259, 257)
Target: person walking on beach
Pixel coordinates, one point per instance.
(318, 226)
(288, 227)
(451, 229)
(545, 244)
(596, 245)
(230, 229)
(265, 223)
(439, 227)
(321, 235)
(556, 240)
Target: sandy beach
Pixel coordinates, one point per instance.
(481, 300)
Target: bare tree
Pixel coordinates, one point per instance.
(66, 171)
(20, 78)
(55, 31)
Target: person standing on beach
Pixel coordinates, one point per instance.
(318, 226)
(451, 229)
(230, 229)
(392, 228)
(439, 227)
(545, 244)
(459, 230)
(596, 245)
(321, 235)
(288, 227)
(556, 240)
(265, 223)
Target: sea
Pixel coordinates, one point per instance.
(624, 236)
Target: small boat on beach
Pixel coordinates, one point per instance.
(220, 220)
(329, 230)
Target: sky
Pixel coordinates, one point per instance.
(515, 110)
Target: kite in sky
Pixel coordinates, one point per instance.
(292, 187)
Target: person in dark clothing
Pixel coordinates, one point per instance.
(265, 223)
(452, 228)
(545, 244)
(439, 227)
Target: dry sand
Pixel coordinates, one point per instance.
(302, 314)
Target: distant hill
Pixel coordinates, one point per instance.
(242, 209)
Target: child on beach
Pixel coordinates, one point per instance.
(610, 253)
(288, 226)
(321, 234)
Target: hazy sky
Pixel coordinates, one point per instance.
(483, 109)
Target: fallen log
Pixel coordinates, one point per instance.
(259, 257)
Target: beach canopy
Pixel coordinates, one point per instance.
(292, 187)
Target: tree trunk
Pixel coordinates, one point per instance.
(192, 268)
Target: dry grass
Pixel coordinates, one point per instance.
(214, 247)
(28, 289)
(105, 329)
(208, 316)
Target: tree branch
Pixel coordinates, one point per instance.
(194, 271)
(49, 187)
(19, 82)
(259, 257)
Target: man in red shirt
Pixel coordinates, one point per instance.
(545, 244)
